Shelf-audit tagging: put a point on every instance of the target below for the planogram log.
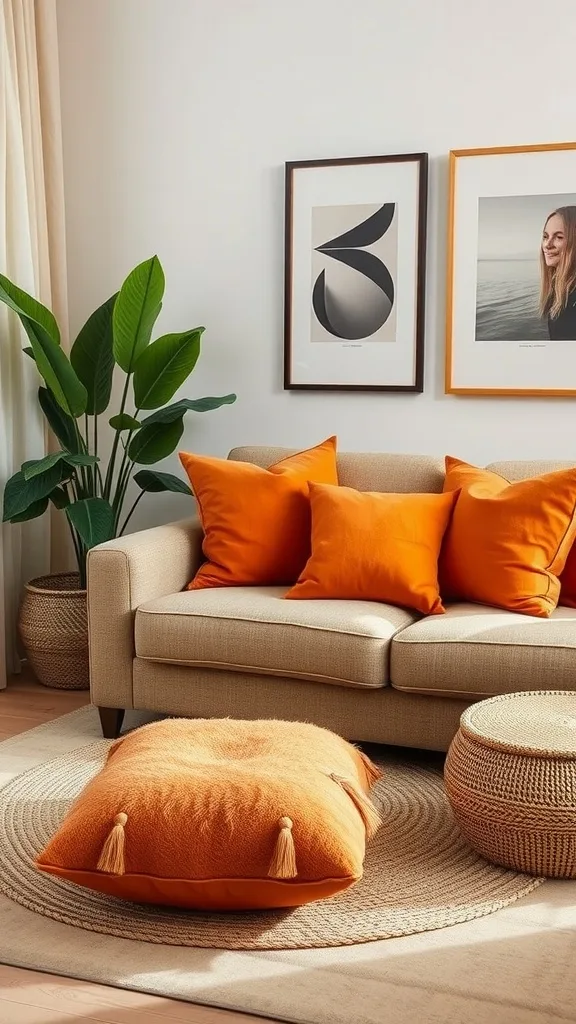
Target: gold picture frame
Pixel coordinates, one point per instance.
(486, 342)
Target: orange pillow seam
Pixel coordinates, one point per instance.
(566, 532)
(294, 455)
(55, 869)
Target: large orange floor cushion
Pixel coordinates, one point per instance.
(220, 814)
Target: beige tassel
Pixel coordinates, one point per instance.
(366, 809)
(283, 863)
(112, 857)
(373, 773)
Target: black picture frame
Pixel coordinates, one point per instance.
(292, 168)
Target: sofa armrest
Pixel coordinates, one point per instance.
(123, 574)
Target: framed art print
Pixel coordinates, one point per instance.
(511, 302)
(354, 273)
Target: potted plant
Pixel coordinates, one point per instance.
(89, 489)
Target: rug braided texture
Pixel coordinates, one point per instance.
(419, 873)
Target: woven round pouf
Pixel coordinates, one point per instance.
(510, 777)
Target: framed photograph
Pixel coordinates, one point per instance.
(354, 273)
(511, 302)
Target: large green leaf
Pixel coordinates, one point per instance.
(36, 466)
(173, 412)
(62, 425)
(152, 480)
(37, 508)
(56, 369)
(59, 497)
(80, 459)
(124, 422)
(25, 305)
(20, 494)
(155, 442)
(93, 520)
(164, 366)
(135, 311)
(93, 359)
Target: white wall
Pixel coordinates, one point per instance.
(178, 117)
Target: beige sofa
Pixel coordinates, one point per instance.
(370, 671)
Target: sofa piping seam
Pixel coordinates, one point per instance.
(234, 667)
(487, 643)
(429, 691)
(271, 622)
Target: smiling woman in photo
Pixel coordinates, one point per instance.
(558, 274)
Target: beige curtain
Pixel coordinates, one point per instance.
(32, 253)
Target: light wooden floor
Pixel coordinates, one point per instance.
(28, 997)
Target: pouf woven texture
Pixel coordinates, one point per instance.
(510, 776)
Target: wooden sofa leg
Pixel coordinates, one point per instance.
(111, 721)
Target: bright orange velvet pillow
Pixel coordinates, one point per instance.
(375, 547)
(221, 815)
(508, 542)
(256, 521)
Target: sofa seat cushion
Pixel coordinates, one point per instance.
(254, 629)
(476, 651)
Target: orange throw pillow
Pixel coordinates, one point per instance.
(256, 521)
(508, 542)
(375, 547)
(220, 815)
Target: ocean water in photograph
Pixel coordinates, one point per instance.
(507, 301)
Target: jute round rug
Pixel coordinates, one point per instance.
(419, 873)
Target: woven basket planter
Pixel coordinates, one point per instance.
(53, 627)
(510, 777)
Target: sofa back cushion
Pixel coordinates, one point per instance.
(521, 469)
(366, 471)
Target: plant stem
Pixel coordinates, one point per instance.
(125, 458)
(121, 488)
(89, 469)
(73, 484)
(119, 496)
(112, 462)
(80, 558)
(121, 472)
(121, 491)
(78, 545)
(96, 469)
(83, 448)
(129, 516)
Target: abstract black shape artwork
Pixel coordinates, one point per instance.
(354, 257)
(350, 313)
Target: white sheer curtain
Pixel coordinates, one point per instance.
(32, 254)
